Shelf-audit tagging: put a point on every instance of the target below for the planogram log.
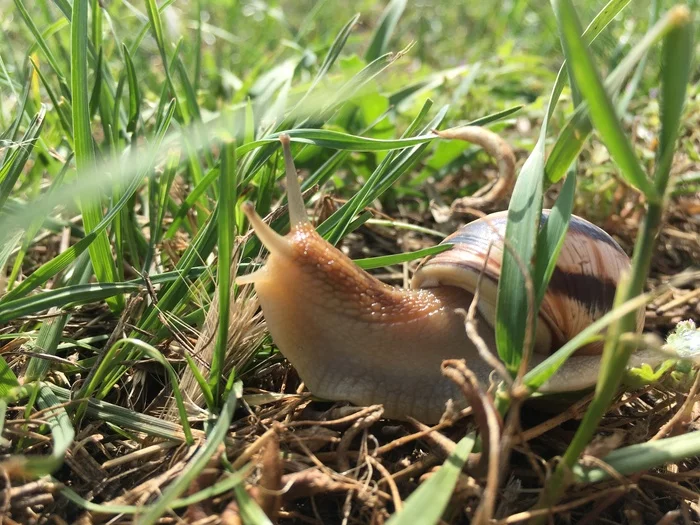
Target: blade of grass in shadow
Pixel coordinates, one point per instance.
(427, 503)
(134, 92)
(638, 458)
(225, 485)
(198, 462)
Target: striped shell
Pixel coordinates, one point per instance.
(581, 290)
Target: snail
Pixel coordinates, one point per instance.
(354, 338)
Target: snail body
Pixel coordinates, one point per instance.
(354, 338)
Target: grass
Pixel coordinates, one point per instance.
(136, 383)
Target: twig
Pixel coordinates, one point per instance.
(501, 151)
(350, 434)
(682, 412)
(386, 475)
(490, 426)
(529, 514)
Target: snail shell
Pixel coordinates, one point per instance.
(581, 290)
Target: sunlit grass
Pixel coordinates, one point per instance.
(132, 134)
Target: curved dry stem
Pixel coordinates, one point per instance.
(495, 146)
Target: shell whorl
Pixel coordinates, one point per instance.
(581, 290)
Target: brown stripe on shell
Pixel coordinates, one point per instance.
(583, 284)
(595, 293)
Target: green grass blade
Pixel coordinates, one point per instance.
(198, 462)
(676, 59)
(385, 29)
(326, 138)
(515, 303)
(601, 108)
(226, 231)
(19, 160)
(386, 174)
(539, 375)
(251, 512)
(125, 417)
(523, 234)
(8, 380)
(638, 458)
(428, 502)
(399, 258)
(100, 250)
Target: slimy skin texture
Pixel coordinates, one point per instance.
(353, 338)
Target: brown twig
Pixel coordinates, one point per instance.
(489, 423)
(682, 412)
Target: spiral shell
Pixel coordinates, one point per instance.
(581, 290)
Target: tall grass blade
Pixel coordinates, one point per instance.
(600, 107)
(100, 250)
(227, 231)
(515, 302)
(676, 59)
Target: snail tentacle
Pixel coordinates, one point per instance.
(295, 201)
